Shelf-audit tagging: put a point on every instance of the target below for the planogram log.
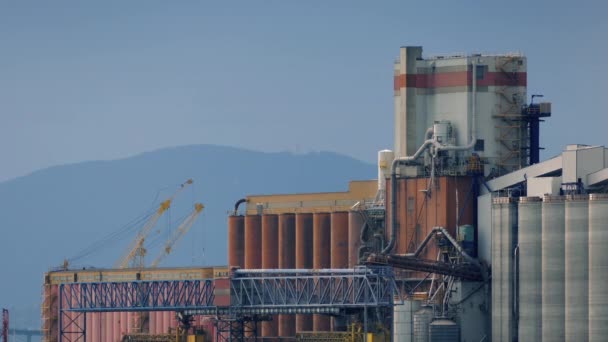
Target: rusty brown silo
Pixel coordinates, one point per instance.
(253, 244)
(253, 241)
(339, 248)
(270, 260)
(236, 240)
(321, 258)
(287, 259)
(304, 250)
(339, 239)
(355, 223)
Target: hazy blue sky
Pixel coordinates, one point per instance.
(82, 81)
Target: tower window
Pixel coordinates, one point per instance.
(480, 71)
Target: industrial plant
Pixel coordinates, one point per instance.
(465, 235)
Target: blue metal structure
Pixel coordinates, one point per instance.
(252, 292)
(321, 291)
(168, 295)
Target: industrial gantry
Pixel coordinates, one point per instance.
(237, 302)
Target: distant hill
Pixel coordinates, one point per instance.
(55, 213)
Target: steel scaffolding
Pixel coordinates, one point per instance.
(169, 295)
(253, 293)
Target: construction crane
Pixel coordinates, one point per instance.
(183, 228)
(134, 255)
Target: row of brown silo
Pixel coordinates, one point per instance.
(287, 241)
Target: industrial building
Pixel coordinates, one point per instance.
(465, 236)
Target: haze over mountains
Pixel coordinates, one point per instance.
(57, 212)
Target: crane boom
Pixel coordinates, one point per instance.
(183, 228)
(136, 251)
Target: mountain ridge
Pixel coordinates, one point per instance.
(53, 213)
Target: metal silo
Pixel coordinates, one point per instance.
(287, 259)
(553, 268)
(355, 224)
(422, 322)
(403, 321)
(270, 260)
(529, 269)
(253, 242)
(577, 268)
(444, 330)
(509, 238)
(304, 255)
(598, 267)
(321, 247)
(236, 240)
(496, 270)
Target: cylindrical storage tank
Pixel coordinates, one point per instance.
(598, 267)
(172, 321)
(130, 320)
(403, 321)
(422, 322)
(167, 321)
(253, 248)
(339, 250)
(504, 232)
(152, 323)
(93, 327)
(385, 160)
(355, 224)
(508, 242)
(236, 240)
(117, 327)
(577, 268)
(442, 131)
(304, 250)
(287, 259)
(553, 268)
(321, 237)
(124, 324)
(444, 330)
(496, 270)
(109, 319)
(339, 239)
(253, 241)
(530, 266)
(466, 237)
(270, 260)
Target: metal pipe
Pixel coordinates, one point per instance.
(397, 162)
(515, 280)
(429, 133)
(459, 249)
(424, 243)
(237, 204)
(363, 229)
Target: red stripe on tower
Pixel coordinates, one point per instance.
(460, 79)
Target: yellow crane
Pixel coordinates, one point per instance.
(183, 228)
(134, 255)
